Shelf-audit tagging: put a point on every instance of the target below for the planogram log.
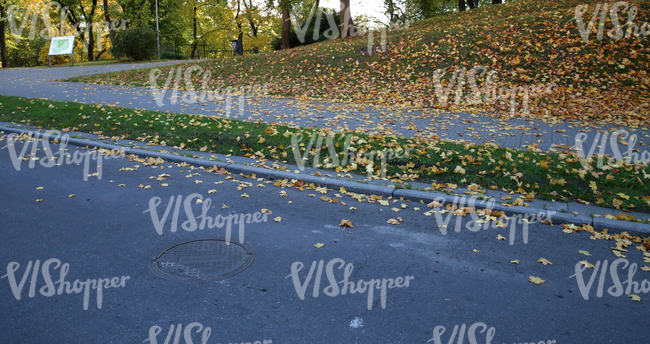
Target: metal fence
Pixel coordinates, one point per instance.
(184, 51)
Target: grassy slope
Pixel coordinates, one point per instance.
(527, 42)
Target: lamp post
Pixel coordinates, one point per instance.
(157, 30)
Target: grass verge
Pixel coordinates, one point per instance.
(527, 174)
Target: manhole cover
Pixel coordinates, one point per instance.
(200, 260)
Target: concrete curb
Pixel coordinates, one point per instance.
(368, 189)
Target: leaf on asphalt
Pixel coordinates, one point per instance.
(245, 195)
(277, 219)
(393, 222)
(635, 297)
(224, 206)
(544, 261)
(212, 191)
(586, 253)
(475, 251)
(587, 264)
(264, 211)
(71, 195)
(535, 280)
(346, 223)
(39, 200)
(500, 237)
(383, 202)
(645, 268)
(434, 204)
(319, 245)
(39, 188)
(514, 261)
(220, 170)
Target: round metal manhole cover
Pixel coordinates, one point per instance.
(200, 260)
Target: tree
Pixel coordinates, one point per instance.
(496, 1)
(286, 24)
(347, 26)
(3, 43)
(461, 5)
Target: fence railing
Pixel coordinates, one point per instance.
(184, 51)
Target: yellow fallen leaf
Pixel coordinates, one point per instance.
(245, 195)
(264, 211)
(393, 222)
(587, 264)
(224, 206)
(212, 191)
(500, 237)
(535, 280)
(70, 196)
(635, 297)
(645, 268)
(39, 188)
(586, 253)
(434, 204)
(39, 200)
(514, 261)
(475, 251)
(277, 219)
(544, 261)
(319, 245)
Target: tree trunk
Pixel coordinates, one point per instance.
(496, 1)
(111, 33)
(471, 4)
(461, 5)
(346, 19)
(286, 28)
(3, 43)
(91, 38)
(195, 42)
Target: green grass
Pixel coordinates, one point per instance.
(533, 174)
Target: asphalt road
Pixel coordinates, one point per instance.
(104, 231)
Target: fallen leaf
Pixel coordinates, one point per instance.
(535, 280)
(586, 253)
(587, 264)
(635, 297)
(514, 261)
(346, 223)
(319, 245)
(544, 261)
(500, 237)
(277, 219)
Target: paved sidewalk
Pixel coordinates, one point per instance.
(517, 133)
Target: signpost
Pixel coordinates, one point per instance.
(61, 46)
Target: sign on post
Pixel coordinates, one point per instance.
(61, 46)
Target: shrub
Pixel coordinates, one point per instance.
(137, 43)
